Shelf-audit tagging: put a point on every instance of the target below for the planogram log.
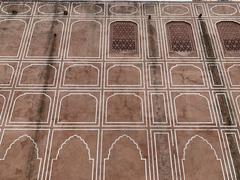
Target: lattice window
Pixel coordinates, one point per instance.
(229, 33)
(180, 36)
(123, 37)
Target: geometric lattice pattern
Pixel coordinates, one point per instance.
(229, 33)
(180, 36)
(123, 36)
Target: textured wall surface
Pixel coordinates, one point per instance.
(119, 91)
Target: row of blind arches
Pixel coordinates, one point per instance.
(124, 36)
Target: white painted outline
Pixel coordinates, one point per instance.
(30, 123)
(139, 43)
(13, 72)
(228, 150)
(68, 41)
(86, 85)
(133, 142)
(87, 4)
(71, 123)
(149, 4)
(16, 4)
(135, 11)
(124, 123)
(176, 5)
(206, 142)
(154, 153)
(229, 108)
(218, 39)
(124, 85)
(229, 77)
(185, 65)
(3, 107)
(82, 141)
(159, 42)
(223, 14)
(165, 108)
(21, 44)
(31, 35)
(35, 147)
(38, 85)
(177, 56)
(51, 4)
(219, 73)
(192, 123)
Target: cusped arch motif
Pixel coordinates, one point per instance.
(78, 108)
(38, 75)
(68, 166)
(187, 75)
(123, 37)
(192, 108)
(121, 75)
(180, 36)
(18, 151)
(229, 34)
(124, 108)
(31, 108)
(197, 154)
(125, 160)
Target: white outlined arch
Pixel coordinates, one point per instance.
(132, 141)
(195, 54)
(174, 7)
(60, 105)
(134, 11)
(36, 149)
(138, 40)
(185, 65)
(32, 93)
(31, 35)
(18, 139)
(21, 38)
(87, 4)
(204, 141)
(193, 123)
(51, 4)
(125, 65)
(16, 4)
(82, 141)
(228, 73)
(32, 65)
(70, 35)
(12, 74)
(135, 95)
(219, 38)
(83, 65)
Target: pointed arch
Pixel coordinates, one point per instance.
(69, 140)
(18, 139)
(129, 164)
(130, 140)
(74, 163)
(200, 158)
